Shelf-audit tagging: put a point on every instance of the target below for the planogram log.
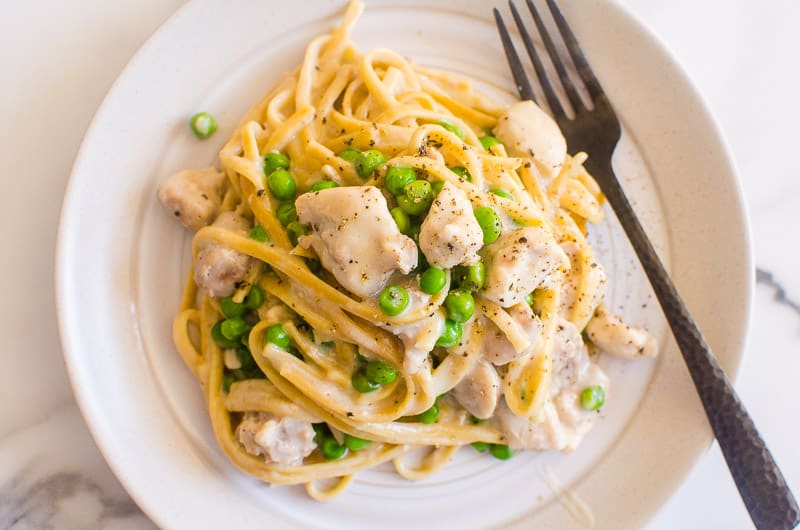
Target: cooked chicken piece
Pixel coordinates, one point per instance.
(355, 237)
(450, 235)
(217, 268)
(565, 421)
(193, 196)
(609, 333)
(479, 390)
(496, 347)
(284, 441)
(520, 261)
(526, 130)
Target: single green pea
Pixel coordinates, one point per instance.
(361, 382)
(593, 397)
(234, 328)
(462, 172)
(529, 298)
(230, 308)
(459, 305)
(323, 185)
(394, 300)
(481, 447)
(488, 141)
(380, 372)
(437, 186)
(432, 280)
(416, 198)
(475, 420)
(282, 185)
(398, 177)
(350, 154)
(295, 230)
(220, 339)
(331, 449)
(275, 160)
(471, 277)
(501, 452)
(321, 431)
(227, 380)
(203, 125)
(368, 161)
(452, 128)
(430, 415)
(401, 219)
(489, 222)
(259, 234)
(354, 443)
(278, 336)
(254, 298)
(500, 192)
(286, 213)
(451, 335)
(245, 358)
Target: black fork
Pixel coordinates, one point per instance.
(595, 130)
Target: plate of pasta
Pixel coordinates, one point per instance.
(346, 279)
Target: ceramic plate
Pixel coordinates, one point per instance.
(122, 262)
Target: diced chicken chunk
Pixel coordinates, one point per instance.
(609, 333)
(479, 390)
(450, 235)
(217, 268)
(193, 196)
(565, 422)
(526, 130)
(355, 237)
(520, 261)
(284, 441)
(497, 349)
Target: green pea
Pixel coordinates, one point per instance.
(462, 172)
(451, 335)
(368, 161)
(593, 397)
(282, 185)
(471, 277)
(502, 193)
(394, 300)
(254, 298)
(416, 198)
(275, 160)
(501, 452)
(354, 443)
(245, 358)
(380, 372)
(430, 415)
(452, 128)
(459, 305)
(278, 336)
(313, 265)
(398, 177)
(220, 339)
(230, 308)
(350, 154)
(475, 420)
(286, 213)
(203, 125)
(234, 328)
(321, 431)
(362, 383)
(432, 280)
(489, 222)
(323, 185)
(227, 380)
(437, 186)
(529, 299)
(331, 449)
(259, 234)
(488, 141)
(295, 230)
(401, 219)
(481, 447)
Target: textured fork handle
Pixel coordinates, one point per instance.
(760, 482)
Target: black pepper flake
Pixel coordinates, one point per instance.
(261, 192)
(177, 213)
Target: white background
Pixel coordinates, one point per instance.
(58, 59)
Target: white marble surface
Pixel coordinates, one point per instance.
(57, 60)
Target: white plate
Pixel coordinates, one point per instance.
(121, 264)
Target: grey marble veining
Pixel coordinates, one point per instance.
(766, 278)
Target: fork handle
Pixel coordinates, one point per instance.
(761, 484)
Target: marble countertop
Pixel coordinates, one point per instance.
(57, 61)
